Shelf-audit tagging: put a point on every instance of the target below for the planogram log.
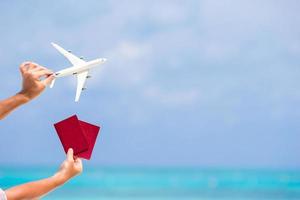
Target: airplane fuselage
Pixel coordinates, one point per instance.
(79, 68)
(73, 70)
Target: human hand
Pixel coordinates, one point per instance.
(69, 168)
(35, 79)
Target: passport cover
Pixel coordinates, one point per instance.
(91, 132)
(78, 135)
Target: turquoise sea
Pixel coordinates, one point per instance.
(165, 183)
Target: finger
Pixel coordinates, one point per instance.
(24, 66)
(70, 155)
(43, 72)
(38, 68)
(47, 81)
(78, 160)
(78, 163)
(32, 65)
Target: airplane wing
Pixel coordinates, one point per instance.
(81, 77)
(72, 58)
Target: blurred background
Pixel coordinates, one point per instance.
(199, 99)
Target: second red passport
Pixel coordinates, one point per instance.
(78, 135)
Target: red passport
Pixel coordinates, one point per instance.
(78, 135)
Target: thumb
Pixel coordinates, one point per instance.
(70, 155)
(48, 80)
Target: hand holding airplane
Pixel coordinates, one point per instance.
(80, 68)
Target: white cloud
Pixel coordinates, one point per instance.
(127, 50)
(168, 12)
(174, 98)
(126, 66)
(154, 47)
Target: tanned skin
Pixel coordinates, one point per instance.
(35, 80)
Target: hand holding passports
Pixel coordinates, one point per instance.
(78, 135)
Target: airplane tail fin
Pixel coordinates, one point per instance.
(52, 83)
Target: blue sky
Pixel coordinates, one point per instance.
(187, 83)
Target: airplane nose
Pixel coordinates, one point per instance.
(104, 59)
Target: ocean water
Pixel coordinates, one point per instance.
(165, 183)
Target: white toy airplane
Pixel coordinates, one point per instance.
(80, 68)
